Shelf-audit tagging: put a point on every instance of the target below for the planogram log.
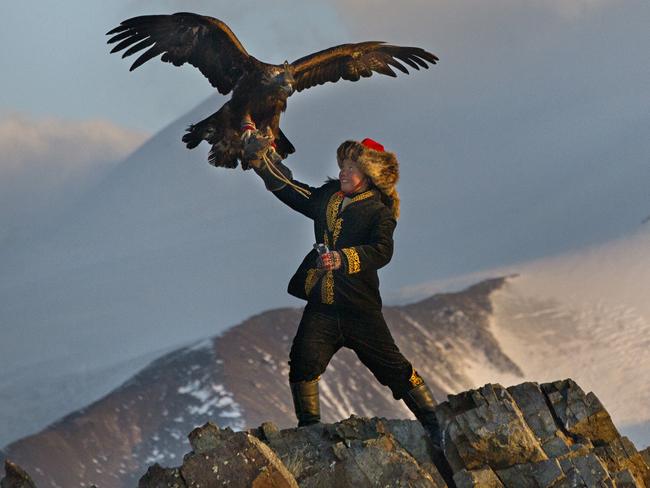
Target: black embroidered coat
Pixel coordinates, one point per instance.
(362, 233)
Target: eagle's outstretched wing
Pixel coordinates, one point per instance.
(353, 61)
(204, 42)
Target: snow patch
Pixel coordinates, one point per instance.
(212, 397)
(156, 456)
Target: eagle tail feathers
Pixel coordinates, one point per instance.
(284, 146)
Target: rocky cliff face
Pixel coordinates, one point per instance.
(547, 436)
(540, 436)
(239, 380)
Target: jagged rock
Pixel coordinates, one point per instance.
(527, 436)
(159, 477)
(621, 455)
(356, 452)
(544, 474)
(485, 478)
(580, 414)
(625, 479)
(585, 471)
(645, 454)
(485, 427)
(227, 458)
(533, 406)
(548, 436)
(16, 477)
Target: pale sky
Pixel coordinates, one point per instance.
(530, 96)
(57, 62)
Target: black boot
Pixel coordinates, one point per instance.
(420, 401)
(306, 402)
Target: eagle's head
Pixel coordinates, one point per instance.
(280, 81)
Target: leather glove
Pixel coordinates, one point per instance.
(256, 146)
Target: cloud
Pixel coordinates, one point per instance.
(395, 13)
(57, 145)
(449, 26)
(572, 9)
(45, 162)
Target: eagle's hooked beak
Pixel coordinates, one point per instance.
(289, 81)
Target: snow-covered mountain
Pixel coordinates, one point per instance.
(239, 379)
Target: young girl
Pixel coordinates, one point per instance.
(355, 217)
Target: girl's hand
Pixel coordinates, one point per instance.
(329, 261)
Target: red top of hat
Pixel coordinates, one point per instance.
(372, 144)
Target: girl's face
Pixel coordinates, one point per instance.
(352, 179)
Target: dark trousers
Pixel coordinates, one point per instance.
(323, 330)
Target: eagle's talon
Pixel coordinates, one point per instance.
(247, 134)
(248, 128)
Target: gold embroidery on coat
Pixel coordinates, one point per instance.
(354, 263)
(362, 196)
(310, 281)
(335, 225)
(327, 292)
(416, 379)
(333, 209)
(337, 231)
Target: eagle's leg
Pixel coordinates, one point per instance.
(250, 130)
(247, 127)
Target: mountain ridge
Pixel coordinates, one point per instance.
(223, 378)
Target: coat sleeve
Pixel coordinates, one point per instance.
(374, 254)
(305, 204)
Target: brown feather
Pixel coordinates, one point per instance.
(119, 37)
(353, 61)
(127, 42)
(138, 47)
(204, 42)
(151, 53)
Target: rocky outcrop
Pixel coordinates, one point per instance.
(530, 435)
(357, 452)
(16, 477)
(552, 435)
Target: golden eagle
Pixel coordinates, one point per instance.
(259, 90)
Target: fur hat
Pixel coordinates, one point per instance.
(380, 166)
